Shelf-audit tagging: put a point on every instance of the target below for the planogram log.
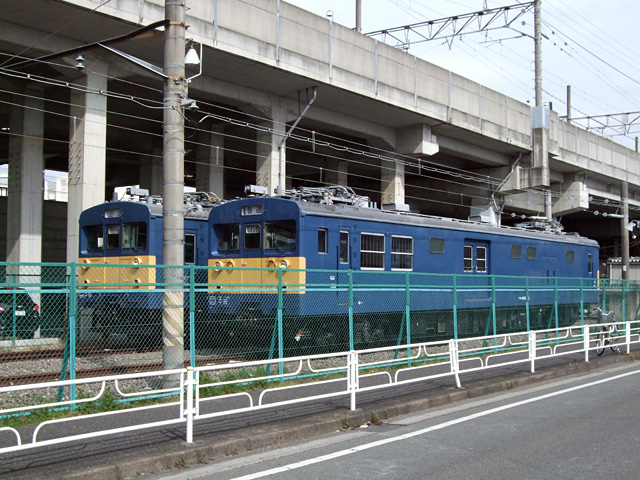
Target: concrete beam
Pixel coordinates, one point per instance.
(469, 151)
(575, 198)
(416, 140)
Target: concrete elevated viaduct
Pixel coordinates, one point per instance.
(384, 122)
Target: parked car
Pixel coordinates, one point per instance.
(17, 306)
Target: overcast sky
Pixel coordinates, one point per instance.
(589, 44)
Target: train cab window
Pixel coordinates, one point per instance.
(95, 237)
(134, 235)
(228, 237)
(344, 247)
(372, 251)
(322, 240)
(401, 253)
(468, 258)
(570, 256)
(516, 251)
(280, 235)
(436, 245)
(532, 253)
(252, 236)
(113, 237)
(189, 249)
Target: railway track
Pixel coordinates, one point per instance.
(49, 376)
(52, 353)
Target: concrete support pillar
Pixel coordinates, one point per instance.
(87, 154)
(151, 172)
(336, 173)
(268, 150)
(210, 162)
(392, 183)
(26, 170)
(624, 232)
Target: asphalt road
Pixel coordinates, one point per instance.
(576, 427)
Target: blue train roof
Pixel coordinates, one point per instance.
(365, 213)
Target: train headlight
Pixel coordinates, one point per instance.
(284, 264)
(137, 261)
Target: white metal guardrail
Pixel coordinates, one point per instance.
(327, 375)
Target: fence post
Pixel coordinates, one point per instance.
(555, 304)
(586, 342)
(73, 291)
(455, 306)
(604, 295)
(407, 314)
(582, 301)
(527, 302)
(352, 377)
(628, 336)
(493, 311)
(351, 310)
(190, 385)
(280, 333)
(192, 315)
(455, 361)
(532, 350)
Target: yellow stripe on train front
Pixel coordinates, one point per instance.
(259, 275)
(131, 272)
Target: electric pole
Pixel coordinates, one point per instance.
(540, 171)
(173, 189)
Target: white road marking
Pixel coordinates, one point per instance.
(367, 446)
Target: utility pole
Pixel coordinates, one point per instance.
(541, 175)
(358, 15)
(568, 103)
(173, 188)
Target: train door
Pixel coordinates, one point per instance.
(344, 264)
(476, 270)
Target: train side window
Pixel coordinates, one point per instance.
(280, 235)
(468, 258)
(516, 251)
(134, 235)
(436, 245)
(113, 237)
(532, 253)
(252, 236)
(401, 253)
(344, 247)
(189, 249)
(481, 259)
(372, 251)
(95, 237)
(228, 237)
(570, 256)
(322, 240)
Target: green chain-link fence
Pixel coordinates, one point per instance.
(61, 321)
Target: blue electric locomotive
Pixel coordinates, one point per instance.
(328, 253)
(120, 245)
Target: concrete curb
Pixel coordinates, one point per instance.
(205, 449)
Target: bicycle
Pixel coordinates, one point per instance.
(608, 336)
